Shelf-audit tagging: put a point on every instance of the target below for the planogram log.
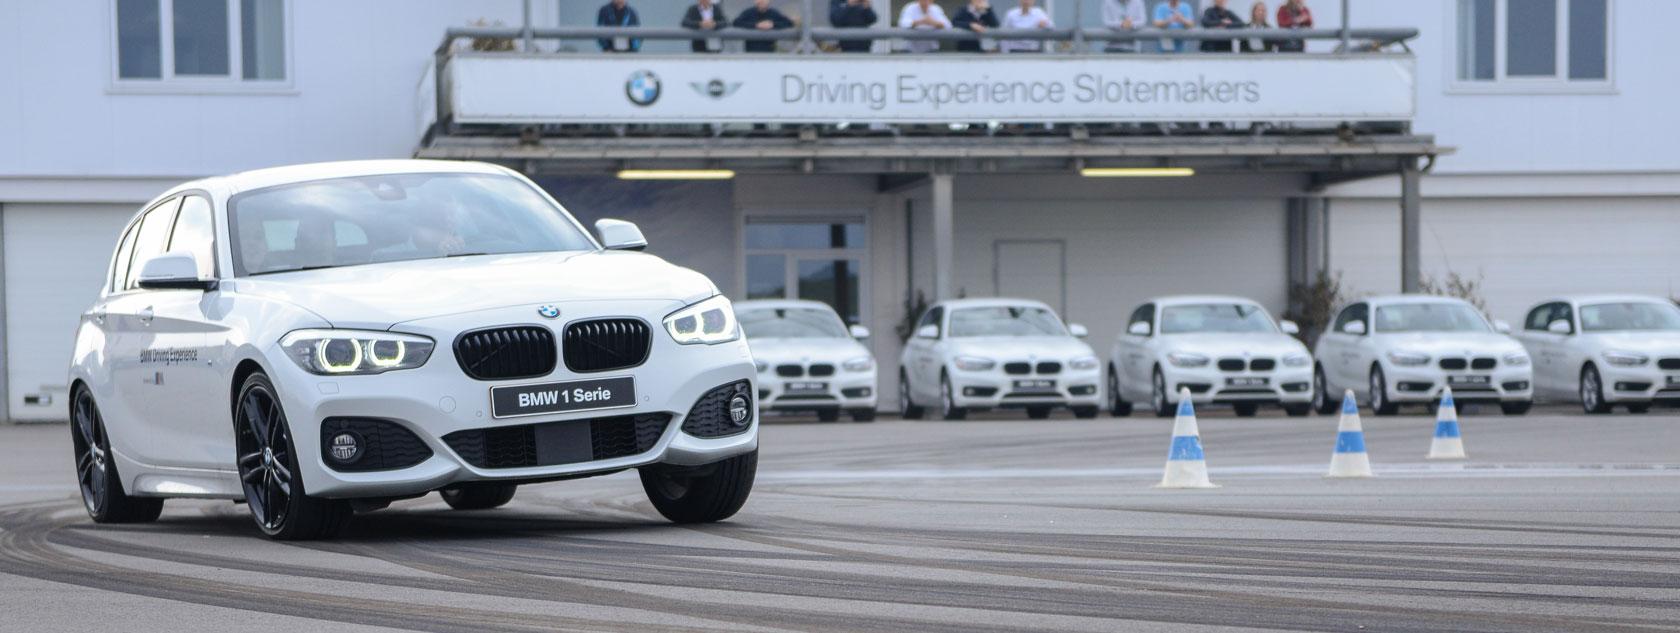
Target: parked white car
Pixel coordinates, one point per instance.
(1605, 350)
(1225, 350)
(1408, 348)
(322, 339)
(976, 354)
(808, 359)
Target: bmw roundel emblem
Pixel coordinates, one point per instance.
(549, 312)
(642, 88)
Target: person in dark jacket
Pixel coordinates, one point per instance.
(704, 16)
(852, 14)
(618, 13)
(1217, 16)
(763, 17)
(975, 16)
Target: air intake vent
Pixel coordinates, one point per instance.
(710, 415)
(1231, 364)
(1453, 363)
(1483, 363)
(605, 344)
(1262, 364)
(1669, 363)
(506, 353)
(555, 443)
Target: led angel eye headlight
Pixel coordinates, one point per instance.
(338, 355)
(354, 352)
(386, 353)
(710, 322)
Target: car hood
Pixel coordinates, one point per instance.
(1437, 344)
(1214, 345)
(1664, 344)
(379, 296)
(805, 350)
(1005, 348)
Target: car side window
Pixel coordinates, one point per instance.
(1352, 313)
(1561, 311)
(1539, 317)
(1144, 314)
(151, 240)
(932, 318)
(195, 233)
(125, 250)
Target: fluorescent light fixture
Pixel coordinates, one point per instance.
(676, 174)
(1136, 172)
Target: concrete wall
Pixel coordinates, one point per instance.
(689, 223)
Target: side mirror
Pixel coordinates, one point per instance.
(1501, 327)
(619, 235)
(175, 270)
(1354, 327)
(858, 332)
(928, 331)
(1289, 327)
(1140, 328)
(1560, 326)
(1078, 331)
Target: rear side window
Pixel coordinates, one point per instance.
(195, 233)
(151, 240)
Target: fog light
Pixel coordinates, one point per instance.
(345, 447)
(739, 410)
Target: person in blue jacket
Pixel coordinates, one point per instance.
(618, 13)
(852, 14)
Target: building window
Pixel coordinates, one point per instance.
(194, 44)
(1533, 44)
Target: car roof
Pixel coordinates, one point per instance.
(781, 304)
(1408, 298)
(1607, 298)
(991, 302)
(289, 174)
(1173, 300)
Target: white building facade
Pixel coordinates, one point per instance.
(1553, 176)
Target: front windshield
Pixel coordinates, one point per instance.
(1005, 321)
(1429, 317)
(791, 323)
(1615, 317)
(393, 217)
(1214, 317)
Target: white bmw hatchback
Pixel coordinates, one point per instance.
(977, 354)
(808, 360)
(1605, 351)
(320, 339)
(1225, 350)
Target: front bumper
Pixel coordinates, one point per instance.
(845, 390)
(1425, 384)
(995, 389)
(1211, 385)
(1639, 384)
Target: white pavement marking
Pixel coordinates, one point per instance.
(1398, 471)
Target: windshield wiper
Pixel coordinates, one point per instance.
(293, 270)
(465, 254)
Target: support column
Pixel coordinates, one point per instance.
(1307, 253)
(943, 240)
(1411, 223)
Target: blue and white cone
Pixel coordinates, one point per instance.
(1448, 444)
(1350, 459)
(1186, 467)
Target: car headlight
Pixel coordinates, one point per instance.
(1516, 359)
(710, 322)
(861, 363)
(761, 366)
(1620, 358)
(973, 363)
(1182, 359)
(1083, 362)
(1297, 360)
(355, 352)
(1407, 359)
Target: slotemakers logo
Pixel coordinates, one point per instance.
(642, 88)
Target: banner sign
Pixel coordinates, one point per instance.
(967, 88)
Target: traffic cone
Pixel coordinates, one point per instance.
(1447, 444)
(1350, 459)
(1186, 467)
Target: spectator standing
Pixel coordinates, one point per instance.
(1026, 16)
(618, 13)
(1217, 16)
(1123, 15)
(1294, 14)
(852, 14)
(763, 17)
(705, 15)
(1174, 15)
(1257, 19)
(925, 15)
(975, 16)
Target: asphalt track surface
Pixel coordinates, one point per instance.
(1556, 522)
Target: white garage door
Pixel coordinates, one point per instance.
(56, 259)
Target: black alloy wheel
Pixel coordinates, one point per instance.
(96, 471)
(268, 470)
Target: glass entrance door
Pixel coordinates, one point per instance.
(816, 259)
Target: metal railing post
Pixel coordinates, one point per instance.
(806, 45)
(1345, 37)
(1078, 26)
(529, 35)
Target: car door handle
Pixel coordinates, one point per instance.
(146, 315)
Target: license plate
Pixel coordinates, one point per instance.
(556, 397)
(803, 386)
(1469, 380)
(1245, 382)
(1035, 384)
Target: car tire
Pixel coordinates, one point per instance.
(1516, 408)
(1245, 409)
(1298, 410)
(1117, 404)
(948, 408)
(96, 470)
(478, 495)
(1592, 392)
(1322, 402)
(701, 494)
(907, 408)
(1380, 404)
(828, 415)
(267, 461)
(1086, 413)
(1639, 407)
(1158, 396)
(1038, 413)
(863, 415)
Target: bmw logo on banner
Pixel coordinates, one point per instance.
(642, 88)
